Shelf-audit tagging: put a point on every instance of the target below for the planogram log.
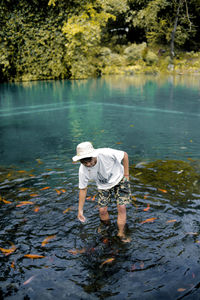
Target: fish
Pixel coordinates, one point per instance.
(58, 192)
(33, 256)
(47, 239)
(63, 190)
(164, 191)
(148, 220)
(77, 251)
(134, 198)
(88, 198)
(6, 201)
(13, 264)
(23, 189)
(21, 171)
(34, 195)
(105, 241)
(24, 203)
(66, 210)
(171, 221)
(181, 290)
(8, 251)
(107, 261)
(36, 209)
(93, 198)
(145, 196)
(147, 208)
(28, 280)
(45, 188)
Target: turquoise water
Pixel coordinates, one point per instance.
(40, 125)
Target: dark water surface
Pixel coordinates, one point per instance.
(40, 125)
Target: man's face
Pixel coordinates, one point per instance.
(89, 161)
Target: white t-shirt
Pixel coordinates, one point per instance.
(107, 172)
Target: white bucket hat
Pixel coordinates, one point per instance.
(84, 150)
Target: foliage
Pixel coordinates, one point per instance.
(83, 33)
(51, 39)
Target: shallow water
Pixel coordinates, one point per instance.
(40, 124)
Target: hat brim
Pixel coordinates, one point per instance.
(79, 157)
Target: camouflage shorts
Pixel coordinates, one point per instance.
(121, 191)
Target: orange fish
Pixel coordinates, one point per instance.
(36, 209)
(33, 256)
(13, 265)
(164, 191)
(24, 203)
(93, 198)
(47, 239)
(58, 192)
(8, 251)
(88, 198)
(77, 251)
(181, 290)
(134, 198)
(107, 261)
(63, 190)
(23, 189)
(29, 280)
(45, 188)
(21, 171)
(142, 265)
(6, 201)
(147, 208)
(105, 241)
(171, 221)
(34, 195)
(148, 220)
(66, 210)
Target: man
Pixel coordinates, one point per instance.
(109, 168)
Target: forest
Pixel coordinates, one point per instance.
(77, 39)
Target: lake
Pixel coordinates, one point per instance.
(152, 118)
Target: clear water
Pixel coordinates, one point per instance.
(40, 125)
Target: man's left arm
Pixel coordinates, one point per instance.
(125, 162)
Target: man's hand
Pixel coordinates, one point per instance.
(81, 217)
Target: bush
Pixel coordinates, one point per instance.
(134, 52)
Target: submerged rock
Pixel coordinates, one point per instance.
(173, 176)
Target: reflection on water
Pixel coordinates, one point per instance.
(40, 125)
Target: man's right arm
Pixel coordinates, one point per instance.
(82, 196)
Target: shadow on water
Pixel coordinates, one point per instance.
(88, 261)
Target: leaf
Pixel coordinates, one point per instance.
(47, 239)
(148, 220)
(33, 256)
(147, 208)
